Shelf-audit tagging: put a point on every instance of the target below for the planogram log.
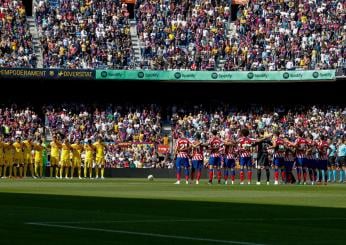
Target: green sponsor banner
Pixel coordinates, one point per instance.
(216, 75)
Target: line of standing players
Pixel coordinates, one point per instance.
(308, 156)
(28, 155)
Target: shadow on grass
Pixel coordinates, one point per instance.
(255, 223)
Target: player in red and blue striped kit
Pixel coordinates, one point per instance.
(197, 158)
(323, 147)
(214, 144)
(312, 160)
(301, 145)
(279, 147)
(245, 144)
(181, 152)
(229, 159)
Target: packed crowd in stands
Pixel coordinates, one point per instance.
(132, 134)
(17, 122)
(81, 34)
(228, 120)
(288, 35)
(268, 35)
(186, 34)
(16, 48)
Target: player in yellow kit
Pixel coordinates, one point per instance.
(8, 157)
(1, 154)
(77, 149)
(38, 159)
(28, 146)
(65, 158)
(100, 157)
(55, 147)
(18, 157)
(89, 159)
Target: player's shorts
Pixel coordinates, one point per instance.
(197, 164)
(342, 162)
(27, 159)
(8, 161)
(279, 162)
(182, 162)
(1, 161)
(323, 164)
(288, 166)
(229, 163)
(54, 160)
(88, 163)
(263, 161)
(302, 162)
(215, 161)
(65, 162)
(39, 162)
(245, 161)
(76, 162)
(311, 163)
(331, 161)
(100, 160)
(18, 159)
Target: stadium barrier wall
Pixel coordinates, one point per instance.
(222, 76)
(173, 76)
(61, 74)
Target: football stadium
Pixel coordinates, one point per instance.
(178, 122)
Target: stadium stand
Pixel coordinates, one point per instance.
(16, 49)
(180, 35)
(18, 122)
(113, 123)
(189, 35)
(288, 35)
(85, 34)
(228, 119)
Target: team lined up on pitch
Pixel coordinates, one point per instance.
(28, 155)
(316, 158)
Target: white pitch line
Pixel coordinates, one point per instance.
(144, 234)
(129, 221)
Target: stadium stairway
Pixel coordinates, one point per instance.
(36, 41)
(135, 42)
(230, 33)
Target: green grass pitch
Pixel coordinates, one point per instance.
(138, 211)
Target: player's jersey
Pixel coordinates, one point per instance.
(215, 144)
(38, 152)
(280, 148)
(54, 149)
(27, 148)
(65, 152)
(18, 149)
(289, 158)
(323, 150)
(8, 151)
(1, 151)
(89, 152)
(310, 150)
(182, 147)
(245, 144)
(230, 152)
(301, 146)
(100, 149)
(197, 153)
(76, 151)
